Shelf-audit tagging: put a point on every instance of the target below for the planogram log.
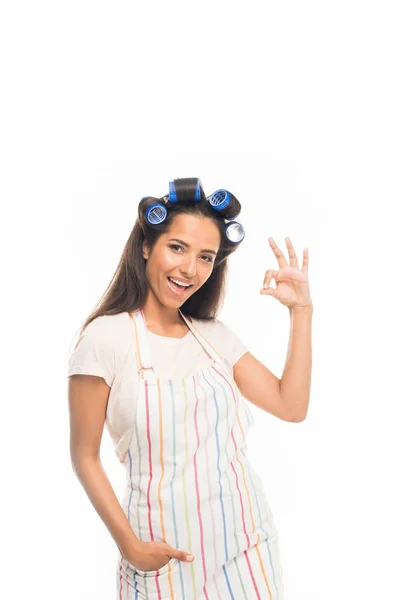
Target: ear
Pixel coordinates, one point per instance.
(145, 250)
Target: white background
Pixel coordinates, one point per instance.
(294, 107)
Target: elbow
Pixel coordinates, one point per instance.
(77, 464)
(294, 407)
(81, 461)
(294, 414)
(298, 418)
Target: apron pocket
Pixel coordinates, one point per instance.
(160, 571)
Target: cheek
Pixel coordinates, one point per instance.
(168, 260)
(171, 260)
(205, 272)
(165, 263)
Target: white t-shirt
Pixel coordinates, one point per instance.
(107, 348)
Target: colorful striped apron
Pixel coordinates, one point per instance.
(190, 484)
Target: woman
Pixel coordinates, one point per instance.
(169, 379)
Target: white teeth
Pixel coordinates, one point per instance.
(181, 284)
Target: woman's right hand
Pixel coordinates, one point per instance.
(150, 556)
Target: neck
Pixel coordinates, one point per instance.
(161, 317)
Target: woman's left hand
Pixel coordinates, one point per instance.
(292, 288)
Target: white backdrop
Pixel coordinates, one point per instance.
(294, 108)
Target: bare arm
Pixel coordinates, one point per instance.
(286, 398)
(296, 376)
(88, 397)
(260, 386)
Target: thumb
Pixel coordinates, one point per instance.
(181, 555)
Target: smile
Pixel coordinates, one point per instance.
(179, 290)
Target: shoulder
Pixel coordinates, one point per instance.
(218, 332)
(223, 338)
(113, 331)
(103, 347)
(213, 326)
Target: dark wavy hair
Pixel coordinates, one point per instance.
(128, 288)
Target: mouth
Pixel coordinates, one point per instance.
(178, 290)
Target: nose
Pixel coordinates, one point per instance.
(188, 266)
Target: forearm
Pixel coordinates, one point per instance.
(94, 480)
(295, 382)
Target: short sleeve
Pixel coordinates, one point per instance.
(232, 346)
(94, 353)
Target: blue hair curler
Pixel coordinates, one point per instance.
(174, 198)
(220, 200)
(156, 213)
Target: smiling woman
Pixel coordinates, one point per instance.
(180, 269)
(178, 284)
(179, 421)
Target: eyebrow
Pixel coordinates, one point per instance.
(187, 245)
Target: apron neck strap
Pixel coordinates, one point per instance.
(211, 351)
(142, 340)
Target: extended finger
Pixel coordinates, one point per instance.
(180, 554)
(305, 260)
(278, 253)
(292, 253)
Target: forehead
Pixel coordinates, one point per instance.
(195, 230)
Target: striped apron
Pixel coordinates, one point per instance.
(190, 484)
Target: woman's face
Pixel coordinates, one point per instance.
(185, 253)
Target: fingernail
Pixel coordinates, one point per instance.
(189, 556)
(265, 285)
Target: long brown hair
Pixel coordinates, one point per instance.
(128, 288)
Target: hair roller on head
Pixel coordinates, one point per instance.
(225, 203)
(234, 232)
(156, 213)
(187, 194)
(190, 191)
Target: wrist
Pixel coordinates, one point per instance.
(302, 307)
(131, 549)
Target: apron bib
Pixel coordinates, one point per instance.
(190, 484)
